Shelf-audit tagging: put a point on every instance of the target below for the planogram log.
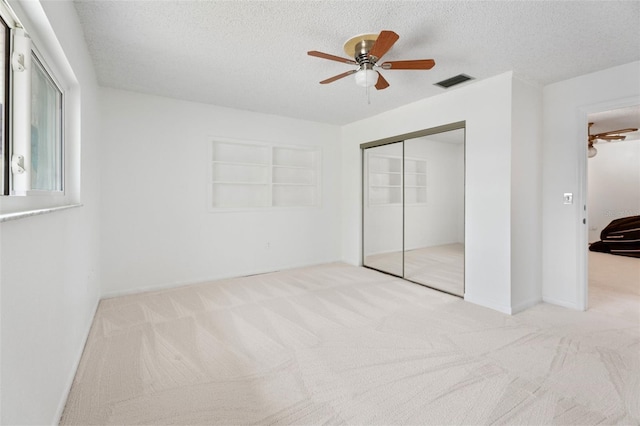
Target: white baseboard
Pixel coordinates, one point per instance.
(488, 303)
(76, 364)
(176, 284)
(510, 310)
(376, 253)
(563, 303)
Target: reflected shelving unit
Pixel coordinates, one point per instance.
(385, 179)
(415, 180)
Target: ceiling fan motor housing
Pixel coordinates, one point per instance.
(358, 48)
(361, 54)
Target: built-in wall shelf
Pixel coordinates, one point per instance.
(388, 175)
(258, 175)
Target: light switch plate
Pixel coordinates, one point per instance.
(568, 198)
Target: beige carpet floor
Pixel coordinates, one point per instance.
(337, 344)
(614, 285)
(440, 267)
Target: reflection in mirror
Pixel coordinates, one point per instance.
(434, 211)
(382, 209)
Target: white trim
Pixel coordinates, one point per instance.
(582, 253)
(8, 15)
(39, 193)
(5, 217)
(37, 25)
(563, 303)
(20, 112)
(178, 284)
(488, 303)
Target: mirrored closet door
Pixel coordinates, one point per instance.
(382, 213)
(413, 209)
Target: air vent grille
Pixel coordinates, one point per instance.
(460, 78)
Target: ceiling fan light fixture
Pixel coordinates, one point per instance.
(592, 151)
(366, 78)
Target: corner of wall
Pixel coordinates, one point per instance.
(526, 194)
(76, 363)
(351, 189)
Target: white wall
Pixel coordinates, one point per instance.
(614, 184)
(49, 269)
(486, 107)
(157, 230)
(526, 196)
(565, 108)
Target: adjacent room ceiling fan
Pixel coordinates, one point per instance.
(613, 135)
(366, 50)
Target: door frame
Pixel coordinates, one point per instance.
(417, 134)
(582, 250)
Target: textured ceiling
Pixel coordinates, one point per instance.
(252, 54)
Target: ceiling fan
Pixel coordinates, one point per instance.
(366, 50)
(613, 135)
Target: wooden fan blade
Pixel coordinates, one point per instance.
(384, 42)
(382, 83)
(418, 64)
(614, 132)
(331, 57)
(612, 138)
(338, 77)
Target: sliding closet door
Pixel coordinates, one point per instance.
(434, 211)
(382, 208)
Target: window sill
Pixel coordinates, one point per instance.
(5, 217)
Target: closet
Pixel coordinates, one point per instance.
(413, 207)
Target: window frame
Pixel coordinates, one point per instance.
(5, 167)
(33, 18)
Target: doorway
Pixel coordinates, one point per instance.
(613, 196)
(413, 207)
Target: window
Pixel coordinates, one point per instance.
(46, 130)
(32, 126)
(253, 175)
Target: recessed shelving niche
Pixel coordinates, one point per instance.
(255, 175)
